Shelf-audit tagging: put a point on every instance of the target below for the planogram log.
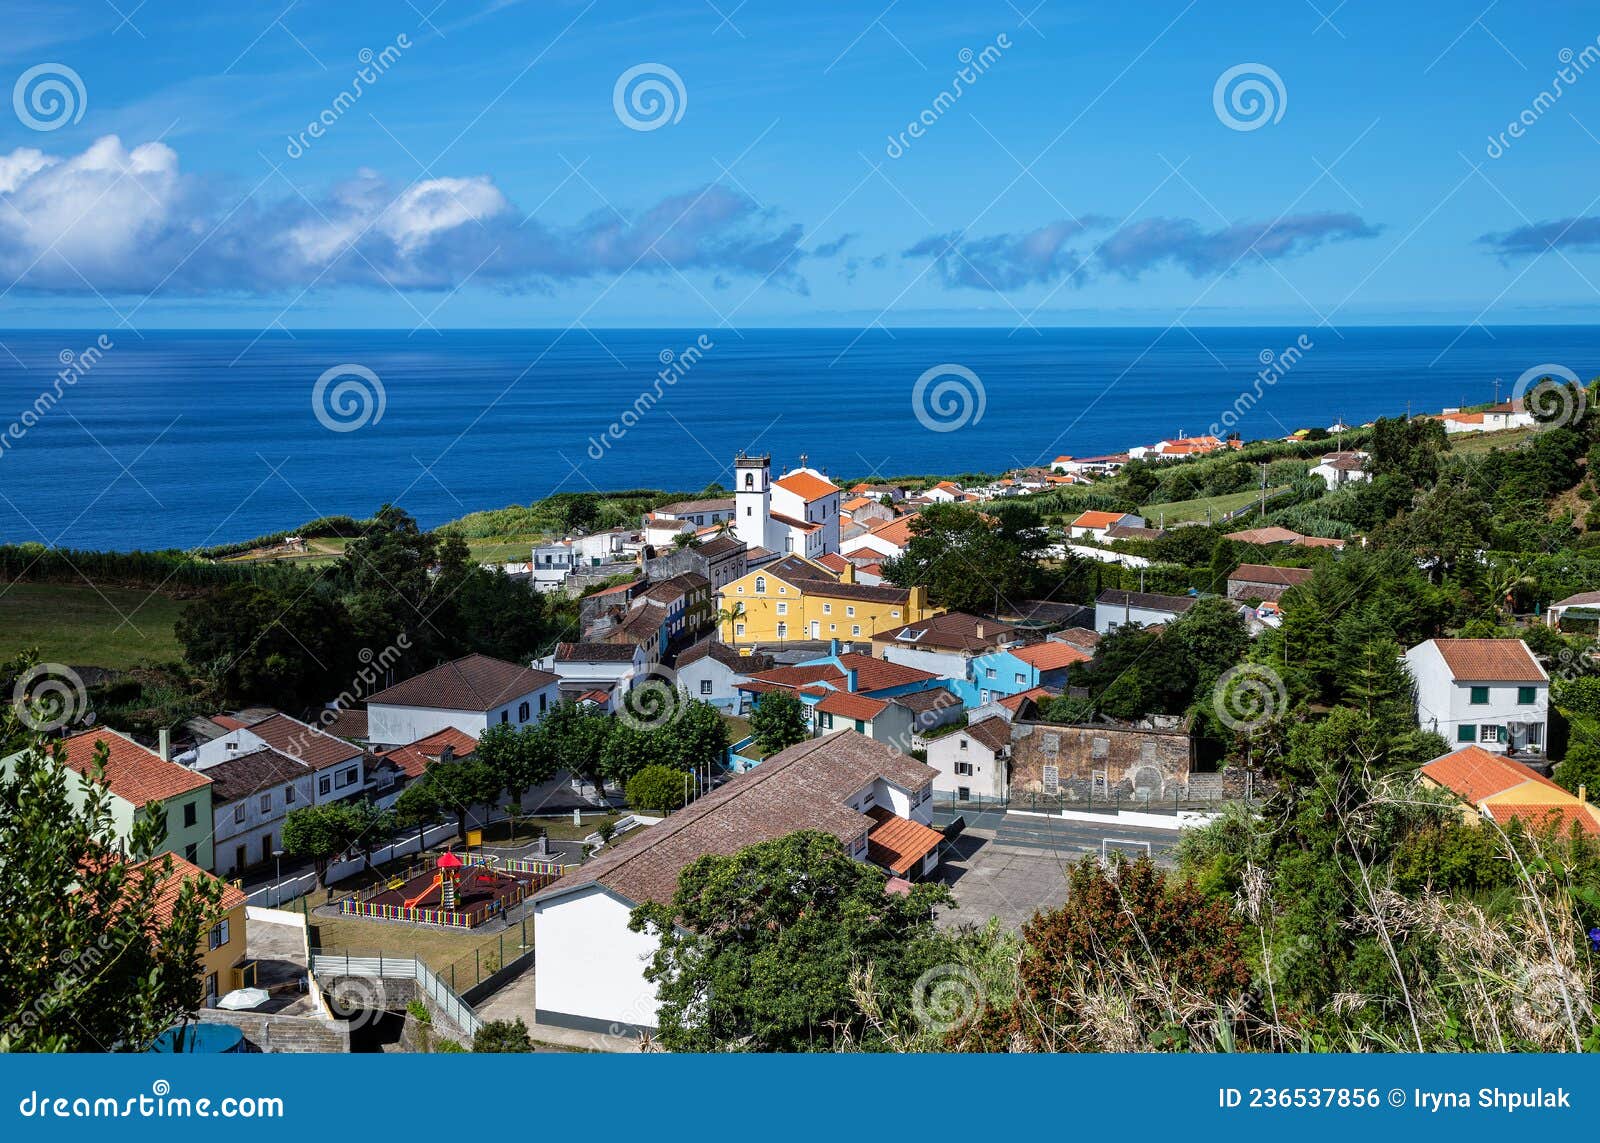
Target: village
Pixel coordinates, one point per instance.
(776, 673)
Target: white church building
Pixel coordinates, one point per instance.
(798, 512)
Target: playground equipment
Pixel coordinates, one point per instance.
(450, 872)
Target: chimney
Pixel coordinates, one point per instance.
(850, 679)
(979, 630)
(833, 647)
(164, 744)
(1583, 793)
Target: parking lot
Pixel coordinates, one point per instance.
(1012, 865)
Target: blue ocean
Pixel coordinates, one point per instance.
(179, 439)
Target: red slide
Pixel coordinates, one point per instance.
(432, 885)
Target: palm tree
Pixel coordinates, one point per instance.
(730, 615)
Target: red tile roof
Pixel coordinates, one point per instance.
(1050, 655)
(847, 705)
(132, 773)
(1490, 660)
(413, 759)
(834, 562)
(172, 883)
(1271, 573)
(1543, 816)
(899, 844)
(806, 486)
(1038, 694)
(1096, 519)
(1474, 774)
(878, 674)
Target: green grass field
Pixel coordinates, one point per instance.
(81, 626)
(1183, 511)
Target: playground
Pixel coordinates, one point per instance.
(452, 891)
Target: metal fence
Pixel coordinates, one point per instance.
(1178, 799)
(400, 968)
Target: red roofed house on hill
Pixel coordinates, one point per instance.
(1491, 692)
(875, 800)
(1503, 790)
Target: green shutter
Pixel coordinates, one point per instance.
(1527, 696)
(1466, 733)
(1480, 696)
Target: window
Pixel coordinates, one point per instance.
(1479, 696)
(266, 803)
(189, 814)
(988, 672)
(894, 615)
(783, 631)
(1466, 732)
(324, 785)
(544, 703)
(783, 609)
(850, 611)
(523, 711)
(218, 935)
(211, 985)
(1527, 696)
(964, 793)
(347, 777)
(191, 853)
(961, 742)
(1052, 779)
(238, 814)
(1021, 678)
(505, 716)
(833, 627)
(705, 686)
(1488, 732)
(1535, 733)
(738, 628)
(288, 795)
(761, 585)
(824, 720)
(964, 769)
(855, 629)
(827, 609)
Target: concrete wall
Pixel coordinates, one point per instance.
(590, 966)
(399, 725)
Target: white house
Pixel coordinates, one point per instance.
(552, 563)
(944, 644)
(1094, 525)
(1340, 468)
(1496, 418)
(338, 766)
(1491, 692)
(796, 513)
(251, 794)
(971, 762)
(583, 667)
(875, 800)
(1584, 607)
(470, 694)
(1114, 608)
(712, 671)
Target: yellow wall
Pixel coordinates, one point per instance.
(810, 604)
(221, 959)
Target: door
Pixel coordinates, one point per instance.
(266, 848)
(816, 629)
(240, 860)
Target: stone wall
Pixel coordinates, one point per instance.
(1137, 763)
(285, 1033)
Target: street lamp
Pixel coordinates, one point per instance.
(277, 882)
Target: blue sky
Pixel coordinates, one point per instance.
(1084, 176)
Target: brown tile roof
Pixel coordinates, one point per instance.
(347, 724)
(950, 631)
(920, 702)
(899, 844)
(994, 732)
(475, 682)
(1268, 535)
(1316, 542)
(251, 772)
(1271, 573)
(799, 675)
(1050, 655)
(1583, 598)
(724, 654)
(803, 787)
(1080, 636)
(1150, 601)
(294, 738)
(877, 674)
(134, 774)
(1474, 774)
(228, 722)
(721, 546)
(692, 507)
(1490, 660)
(594, 653)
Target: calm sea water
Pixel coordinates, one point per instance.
(183, 438)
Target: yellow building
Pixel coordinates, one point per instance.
(223, 964)
(798, 599)
(1502, 789)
